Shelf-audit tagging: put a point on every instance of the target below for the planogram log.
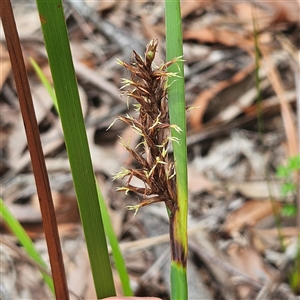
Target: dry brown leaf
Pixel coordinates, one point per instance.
(264, 239)
(270, 103)
(105, 5)
(203, 99)
(249, 261)
(285, 231)
(151, 30)
(188, 7)
(246, 10)
(239, 106)
(219, 35)
(286, 110)
(203, 35)
(284, 11)
(249, 214)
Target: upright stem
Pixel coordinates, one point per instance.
(176, 101)
(35, 150)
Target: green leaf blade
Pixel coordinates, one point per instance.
(25, 241)
(176, 101)
(65, 85)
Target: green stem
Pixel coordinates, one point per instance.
(176, 98)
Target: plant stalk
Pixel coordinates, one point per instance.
(176, 102)
(35, 150)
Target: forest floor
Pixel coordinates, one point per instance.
(242, 227)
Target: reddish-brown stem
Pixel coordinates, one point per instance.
(35, 149)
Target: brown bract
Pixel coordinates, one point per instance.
(148, 86)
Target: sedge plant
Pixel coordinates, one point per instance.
(159, 92)
(35, 149)
(165, 179)
(108, 227)
(25, 240)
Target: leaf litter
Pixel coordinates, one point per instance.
(232, 164)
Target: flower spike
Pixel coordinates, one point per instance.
(148, 86)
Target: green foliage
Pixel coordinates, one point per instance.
(288, 187)
(25, 241)
(60, 60)
(287, 173)
(109, 231)
(289, 210)
(66, 90)
(176, 96)
(45, 82)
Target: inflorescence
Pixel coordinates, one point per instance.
(148, 86)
